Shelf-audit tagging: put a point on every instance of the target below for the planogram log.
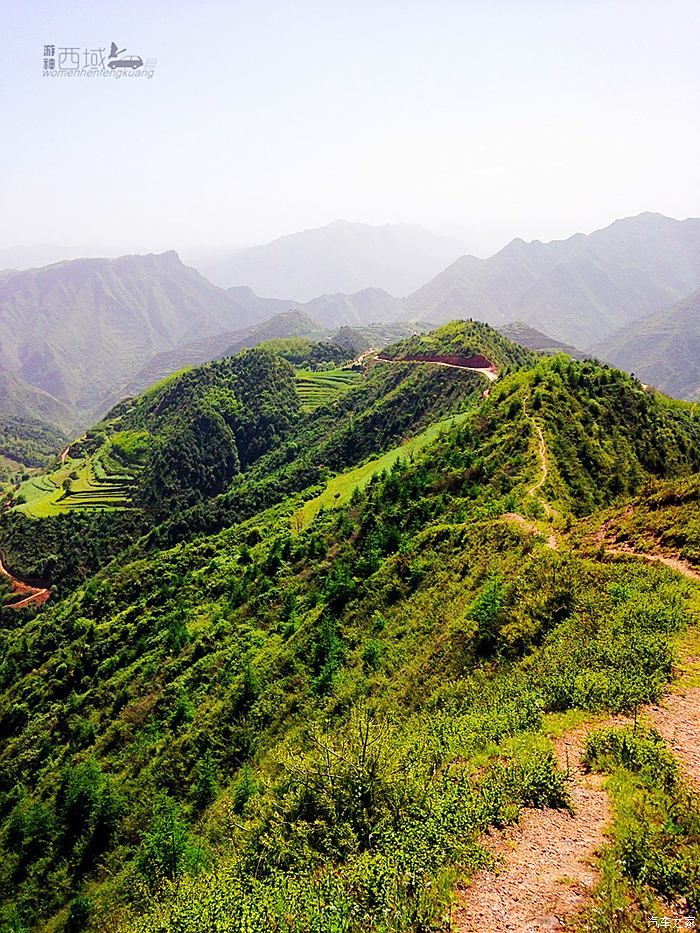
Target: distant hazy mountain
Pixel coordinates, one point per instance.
(531, 339)
(365, 307)
(578, 290)
(78, 329)
(340, 257)
(662, 350)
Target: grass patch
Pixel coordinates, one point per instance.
(339, 490)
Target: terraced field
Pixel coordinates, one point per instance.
(320, 388)
(91, 487)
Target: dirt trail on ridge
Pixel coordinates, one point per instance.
(675, 563)
(542, 454)
(546, 864)
(545, 867)
(551, 542)
(677, 718)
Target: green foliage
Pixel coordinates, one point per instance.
(466, 338)
(306, 353)
(248, 722)
(665, 518)
(64, 550)
(321, 388)
(78, 915)
(167, 851)
(639, 751)
(130, 447)
(656, 832)
(196, 460)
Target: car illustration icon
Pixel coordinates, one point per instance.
(133, 61)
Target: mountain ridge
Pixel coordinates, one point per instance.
(317, 717)
(76, 328)
(577, 290)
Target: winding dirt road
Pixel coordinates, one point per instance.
(30, 595)
(489, 372)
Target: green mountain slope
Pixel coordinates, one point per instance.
(196, 352)
(29, 441)
(144, 442)
(260, 719)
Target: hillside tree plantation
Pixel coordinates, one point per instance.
(237, 714)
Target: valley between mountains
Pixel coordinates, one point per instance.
(82, 334)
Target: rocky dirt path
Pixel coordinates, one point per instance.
(545, 866)
(675, 563)
(677, 718)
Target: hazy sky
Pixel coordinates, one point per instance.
(489, 120)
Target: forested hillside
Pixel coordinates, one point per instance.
(329, 647)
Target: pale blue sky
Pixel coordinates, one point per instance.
(490, 120)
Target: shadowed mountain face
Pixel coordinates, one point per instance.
(578, 290)
(22, 400)
(662, 350)
(77, 330)
(340, 257)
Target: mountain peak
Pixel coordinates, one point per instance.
(342, 256)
